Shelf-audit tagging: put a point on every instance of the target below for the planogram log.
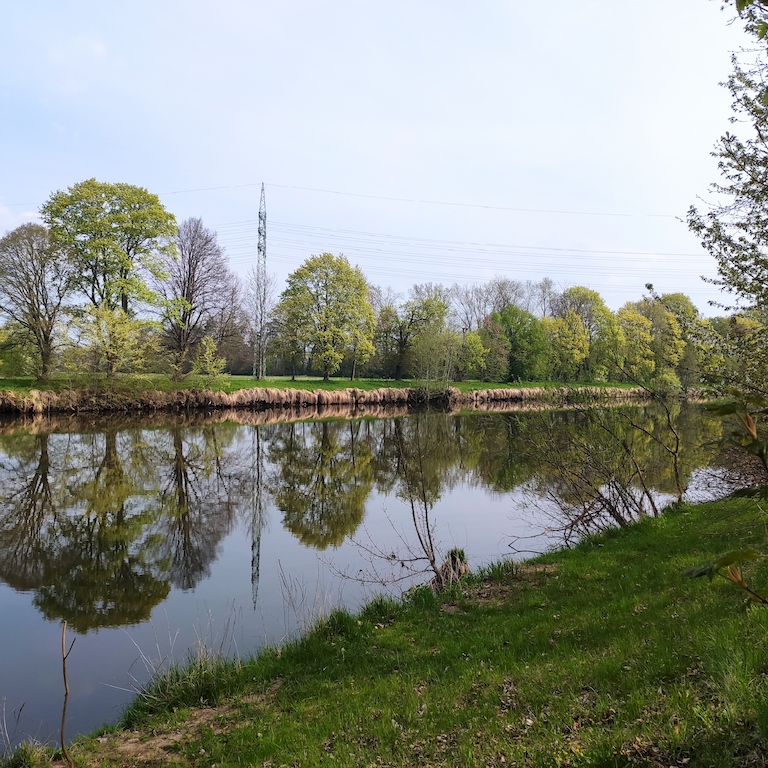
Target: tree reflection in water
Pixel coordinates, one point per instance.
(100, 525)
(321, 479)
(100, 565)
(600, 468)
(28, 511)
(203, 484)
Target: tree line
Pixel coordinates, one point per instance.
(109, 283)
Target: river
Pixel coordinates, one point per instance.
(156, 539)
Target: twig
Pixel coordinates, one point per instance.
(64, 654)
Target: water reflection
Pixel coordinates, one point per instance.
(100, 525)
(321, 479)
(599, 468)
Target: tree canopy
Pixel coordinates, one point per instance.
(116, 234)
(325, 306)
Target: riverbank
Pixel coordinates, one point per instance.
(603, 655)
(147, 400)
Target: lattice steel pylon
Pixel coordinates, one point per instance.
(261, 291)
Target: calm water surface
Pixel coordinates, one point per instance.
(151, 538)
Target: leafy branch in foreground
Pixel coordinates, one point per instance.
(728, 566)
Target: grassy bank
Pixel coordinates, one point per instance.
(155, 394)
(159, 383)
(604, 655)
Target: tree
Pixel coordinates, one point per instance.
(735, 231)
(639, 362)
(493, 338)
(755, 13)
(326, 305)
(435, 353)
(118, 237)
(470, 356)
(107, 340)
(568, 344)
(471, 304)
(34, 282)
(528, 344)
(667, 342)
(116, 234)
(197, 288)
(261, 299)
(399, 326)
(603, 332)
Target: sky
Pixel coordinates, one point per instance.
(426, 140)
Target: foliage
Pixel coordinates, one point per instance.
(115, 235)
(325, 309)
(470, 357)
(604, 334)
(746, 436)
(729, 567)
(434, 357)
(35, 280)
(639, 362)
(493, 338)
(568, 345)
(401, 327)
(735, 231)
(108, 340)
(667, 341)
(528, 344)
(206, 362)
(18, 352)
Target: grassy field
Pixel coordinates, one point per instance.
(603, 655)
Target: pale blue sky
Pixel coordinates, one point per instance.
(595, 118)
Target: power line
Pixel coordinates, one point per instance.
(473, 205)
(483, 206)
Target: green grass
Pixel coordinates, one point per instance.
(603, 655)
(159, 382)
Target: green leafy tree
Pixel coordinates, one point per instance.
(116, 235)
(470, 357)
(285, 341)
(326, 310)
(529, 350)
(207, 364)
(568, 345)
(691, 366)
(434, 354)
(668, 343)
(493, 338)
(639, 359)
(603, 358)
(35, 281)
(399, 326)
(107, 340)
(735, 229)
